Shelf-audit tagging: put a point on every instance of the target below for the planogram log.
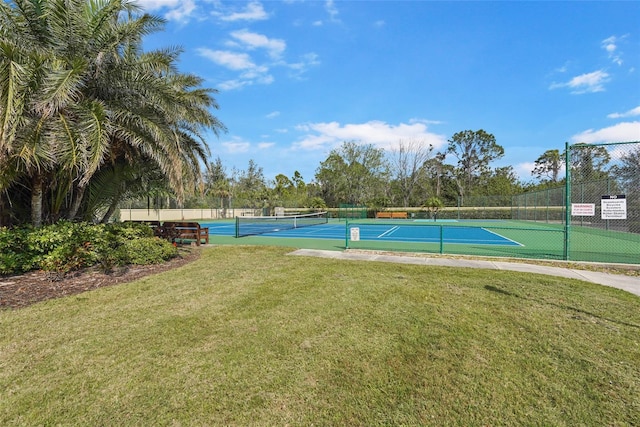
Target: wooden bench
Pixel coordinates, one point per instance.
(391, 215)
(185, 231)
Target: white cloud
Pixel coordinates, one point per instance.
(621, 132)
(231, 60)
(179, 10)
(332, 10)
(306, 61)
(524, 169)
(250, 72)
(256, 73)
(236, 146)
(585, 83)
(380, 134)
(426, 121)
(249, 40)
(233, 84)
(150, 5)
(273, 115)
(610, 45)
(631, 113)
(253, 12)
(562, 69)
(182, 13)
(257, 77)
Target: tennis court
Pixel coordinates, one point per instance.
(373, 232)
(501, 238)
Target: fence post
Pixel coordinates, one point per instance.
(346, 233)
(567, 192)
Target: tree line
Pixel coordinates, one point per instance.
(408, 176)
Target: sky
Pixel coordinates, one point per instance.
(295, 79)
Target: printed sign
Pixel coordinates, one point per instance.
(355, 234)
(583, 209)
(614, 207)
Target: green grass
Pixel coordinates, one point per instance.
(247, 335)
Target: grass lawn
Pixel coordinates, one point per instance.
(250, 336)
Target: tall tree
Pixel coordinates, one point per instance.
(589, 162)
(474, 151)
(251, 185)
(499, 185)
(549, 165)
(331, 179)
(353, 173)
(628, 171)
(217, 183)
(283, 189)
(301, 190)
(408, 167)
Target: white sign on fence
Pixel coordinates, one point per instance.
(583, 209)
(355, 234)
(614, 207)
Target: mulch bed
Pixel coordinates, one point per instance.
(29, 288)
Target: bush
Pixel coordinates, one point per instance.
(113, 246)
(148, 250)
(14, 257)
(66, 246)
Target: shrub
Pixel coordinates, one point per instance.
(112, 245)
(129, 230)
(148, 250)
(14, 257)
(66, 246)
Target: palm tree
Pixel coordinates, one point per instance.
(78, 94)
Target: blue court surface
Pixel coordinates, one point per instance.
(381, 232)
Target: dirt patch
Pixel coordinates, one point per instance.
(29, 288)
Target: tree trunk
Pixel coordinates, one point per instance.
(36, 200)
(77, 200)
(112, 208)
(4, 221)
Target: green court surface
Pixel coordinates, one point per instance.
(519, 239)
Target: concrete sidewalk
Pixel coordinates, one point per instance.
(628, 283)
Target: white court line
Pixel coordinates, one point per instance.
(389, 231)
(500, 235)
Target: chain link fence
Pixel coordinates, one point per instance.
(594, 216)
(602, 213)
(598, 206)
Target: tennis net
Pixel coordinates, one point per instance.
(254, 225)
